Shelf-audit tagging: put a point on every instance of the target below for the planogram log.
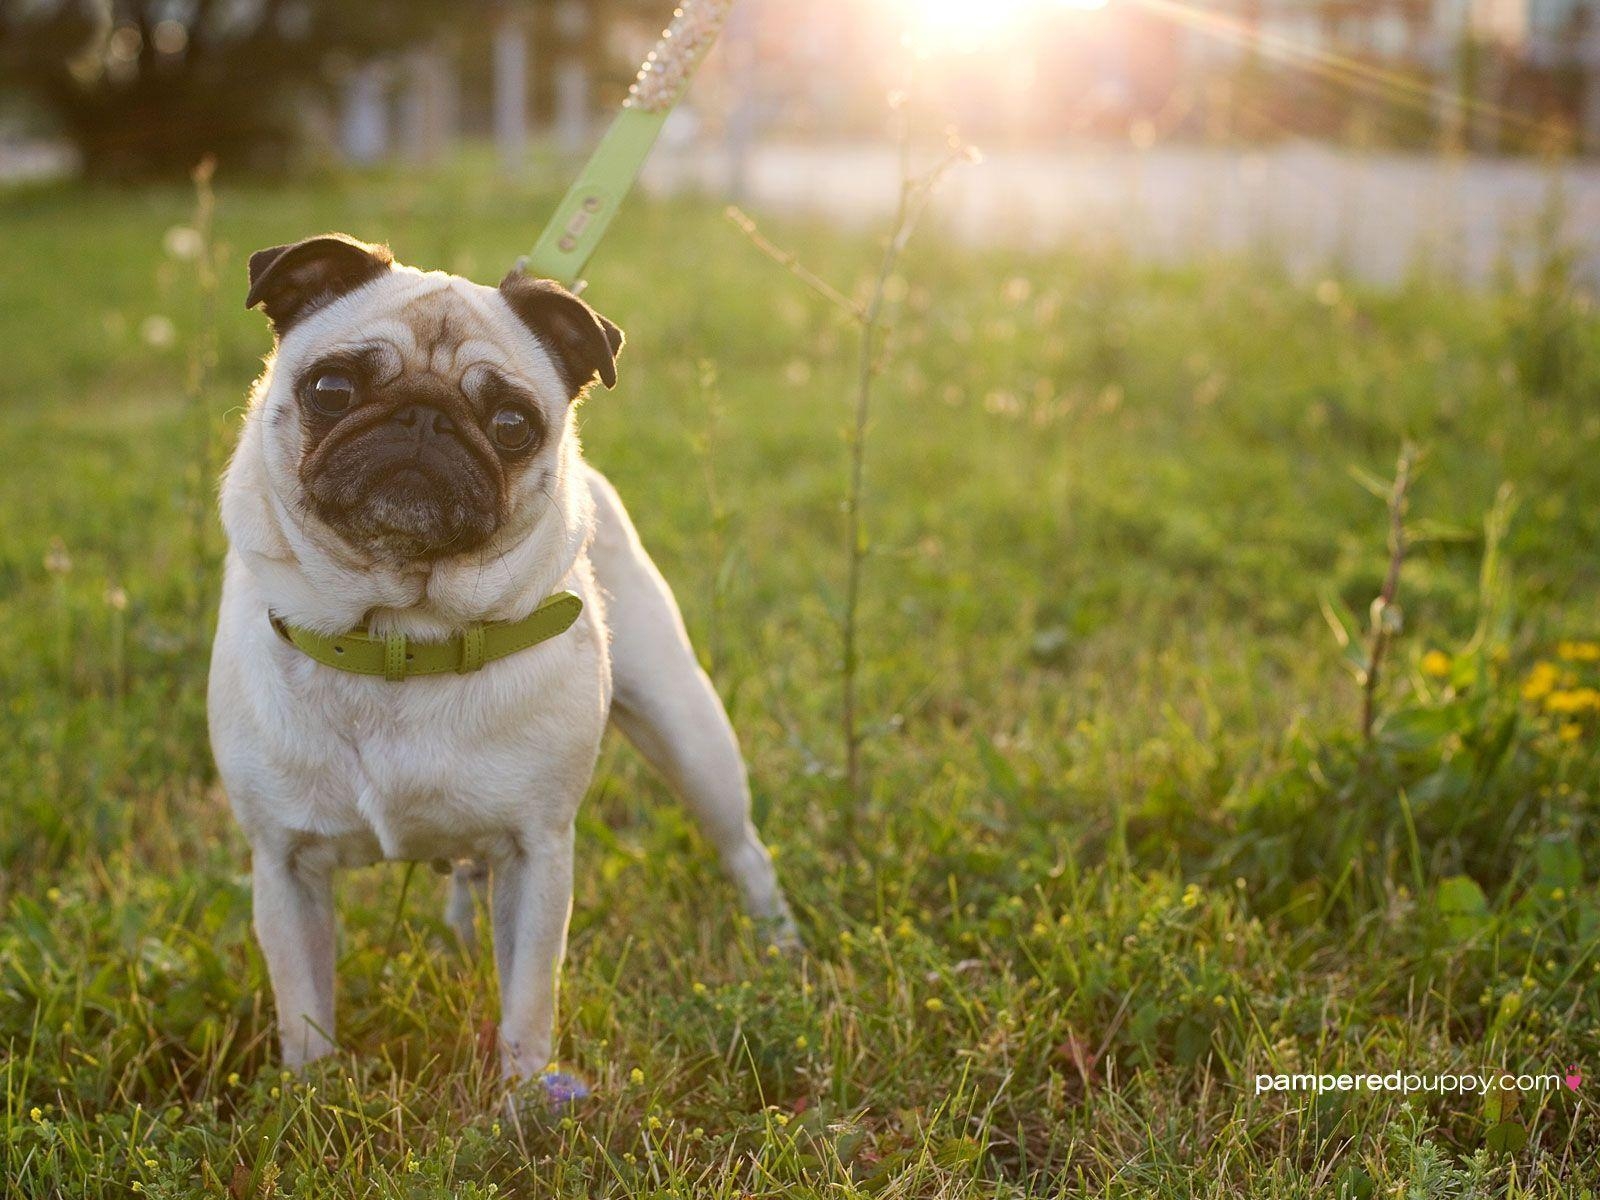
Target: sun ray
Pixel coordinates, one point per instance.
(1360, 76)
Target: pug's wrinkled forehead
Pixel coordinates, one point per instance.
(334, 295)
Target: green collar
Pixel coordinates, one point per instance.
(397, 658)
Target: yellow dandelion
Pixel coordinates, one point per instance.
(699, 988)
(933, 1004)
(1573, 700)
(1570, 732)
(1541, 681)
(1436, 663)
(800, 1043)
(1579, 651)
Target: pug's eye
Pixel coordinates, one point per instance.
(333, 393)
(511, 428)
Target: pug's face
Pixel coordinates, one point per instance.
(413, 414)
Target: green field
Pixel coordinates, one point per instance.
(1123, 850)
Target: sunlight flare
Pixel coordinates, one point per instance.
(970, 24)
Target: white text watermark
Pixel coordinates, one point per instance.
(1407, 1082)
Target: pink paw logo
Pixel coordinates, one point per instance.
(1574, 1077)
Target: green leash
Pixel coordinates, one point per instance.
(590, 205)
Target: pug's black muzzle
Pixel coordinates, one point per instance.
(410, 486)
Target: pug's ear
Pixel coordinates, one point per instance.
(583, 343)
(289, 282)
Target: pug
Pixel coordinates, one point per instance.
(431, 607)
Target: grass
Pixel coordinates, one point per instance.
(1123, 849)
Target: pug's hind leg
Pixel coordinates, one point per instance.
(469, 890)
(665, 705)
(685, 736)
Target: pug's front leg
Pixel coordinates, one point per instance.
(294, 922)
(532, 901)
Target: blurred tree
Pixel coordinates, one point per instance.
(150, 86)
